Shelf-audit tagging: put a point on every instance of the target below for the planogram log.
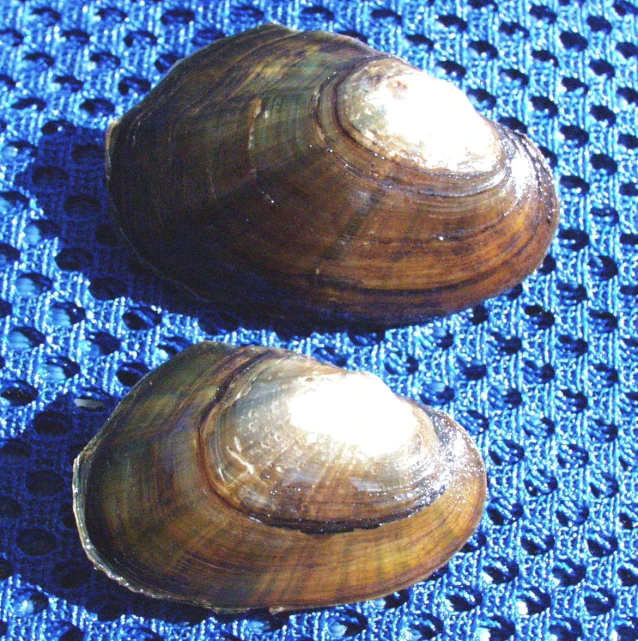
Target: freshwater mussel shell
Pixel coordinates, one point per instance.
(240, 177)
(212, 483)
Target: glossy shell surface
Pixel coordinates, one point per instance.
(308, 174)
(238, 478)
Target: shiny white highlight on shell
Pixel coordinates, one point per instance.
(403, 112)
(357, 409)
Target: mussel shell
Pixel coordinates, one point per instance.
(255, 175)
(213, 483)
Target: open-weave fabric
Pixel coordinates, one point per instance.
(545, 377)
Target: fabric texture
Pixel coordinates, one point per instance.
(545, 377)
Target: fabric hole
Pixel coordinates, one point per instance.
(532, 601)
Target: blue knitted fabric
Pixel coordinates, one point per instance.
(545, 377)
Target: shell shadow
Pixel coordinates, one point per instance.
(66, 177)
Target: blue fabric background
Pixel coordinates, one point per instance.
(544, 377)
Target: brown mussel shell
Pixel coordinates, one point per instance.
(308, 175)
(248, 477)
